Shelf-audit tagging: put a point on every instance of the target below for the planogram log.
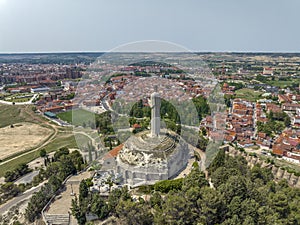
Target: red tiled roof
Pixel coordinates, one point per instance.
(114, 152)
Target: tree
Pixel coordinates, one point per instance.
(55, 182)
(38, 201)
(261, 173)
(177, 210)
(203, 131)
(43, 153)
(99, 207)
(279, 203)
(212, 206)
(21, 170)
(67, 167)
(219, 161)
(113, 199)
(235, 186)
(156, 199)
(9, 190)
(134, 213)
(196, 178)
(266, 215)
(249, 207)
(77, 212)
(261, 78)
(202, 142)
(232, 221)
(249, 221)
(83, 189)
(227, 99)
(132, 121)
(77, 160)
(221, 175)
(56, 172)
(234, 207)
(60, 152)
(75, 207)
(9, 176)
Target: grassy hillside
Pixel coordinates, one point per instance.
(61, 140)
(11, 114)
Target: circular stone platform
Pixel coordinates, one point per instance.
(145, 159)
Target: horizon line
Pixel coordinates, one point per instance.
(191, 51)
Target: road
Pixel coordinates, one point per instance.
(57, 121)
(27, 194)
(20, 103)
(27, 178)
(189, 127)
(202, 165)
(254, 120)
(203, 159)
(107, 107)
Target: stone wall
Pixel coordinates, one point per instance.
(134, 175)
(278, 173)
(149, 173)
(178, 160)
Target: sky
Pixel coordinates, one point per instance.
(101, 25)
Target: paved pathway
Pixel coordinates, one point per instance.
(28, 178)
(20, 103)
(26, 195)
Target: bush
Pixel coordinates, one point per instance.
(165, 186)
(146, 189)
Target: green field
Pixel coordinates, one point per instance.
(77, 117)
(283, 83)
(248, 94)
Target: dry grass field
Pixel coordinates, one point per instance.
(21, 137)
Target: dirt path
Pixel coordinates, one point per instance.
(88, 136)
(203, 159)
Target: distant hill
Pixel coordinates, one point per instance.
(50, 58)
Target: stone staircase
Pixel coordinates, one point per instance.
(57, 219)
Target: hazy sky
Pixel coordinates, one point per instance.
(98, 25)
